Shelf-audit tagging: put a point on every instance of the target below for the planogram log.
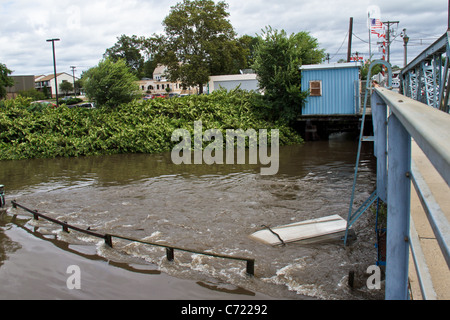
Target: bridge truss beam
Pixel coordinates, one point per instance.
(426, 78)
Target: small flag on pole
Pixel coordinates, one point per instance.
(376, 24)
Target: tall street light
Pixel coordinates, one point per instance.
(73, 74)
(405, 45)
(54, 67)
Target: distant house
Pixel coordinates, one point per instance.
(161, 85)
(48, 82)
(21, 83)
(246, 80)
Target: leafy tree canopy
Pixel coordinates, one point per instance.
(5, 80)
(199, 41)
(110, 83)
(131, 50)
(66, 87)
(277, 62)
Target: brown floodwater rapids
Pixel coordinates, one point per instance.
(210, 208)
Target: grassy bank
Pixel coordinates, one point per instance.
(137, 127)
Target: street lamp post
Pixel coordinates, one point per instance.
(405, 45)
(54, 67)
(73, 74)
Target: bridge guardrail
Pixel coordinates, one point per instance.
(429, 128)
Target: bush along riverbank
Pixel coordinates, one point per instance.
(136, 127)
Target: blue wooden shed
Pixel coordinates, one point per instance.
(334, 89)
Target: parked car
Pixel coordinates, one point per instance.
(87, 105)
(43, 103)
(174, 95)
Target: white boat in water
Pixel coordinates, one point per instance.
(311, 231)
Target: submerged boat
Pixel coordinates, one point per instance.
(328, 228)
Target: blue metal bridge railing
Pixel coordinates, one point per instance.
(426, 78)
(429, 127)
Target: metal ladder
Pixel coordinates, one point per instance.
(353, 216)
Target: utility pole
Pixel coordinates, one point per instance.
(388, 37)
(54, 68)
(350, 36)
(73, 74)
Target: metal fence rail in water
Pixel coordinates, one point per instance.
(429, 128)
(170, 250)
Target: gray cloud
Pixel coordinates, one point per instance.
(88, 28)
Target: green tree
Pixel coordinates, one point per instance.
(248, 44)
(78, 86)
(5, 80)
(66, 87)
(128, 49)
(110, 83)
(199, 40)
(278, 59)
(365, 69)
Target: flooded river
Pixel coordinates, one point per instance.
(199, 207)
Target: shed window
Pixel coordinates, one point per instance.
(315, 88)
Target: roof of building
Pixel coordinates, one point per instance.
(331, 66)
(49, 77)
(160, 69)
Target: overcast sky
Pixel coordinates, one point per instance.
(88, 27)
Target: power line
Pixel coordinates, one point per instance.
(360, 39)
(345, 38)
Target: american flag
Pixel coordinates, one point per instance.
(376, 24)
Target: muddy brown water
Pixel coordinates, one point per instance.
(211, 208)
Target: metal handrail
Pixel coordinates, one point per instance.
(429, 128)
(250, 268)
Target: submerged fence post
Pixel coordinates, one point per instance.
(251, 267)
(108, 240)
(398, 218)
(170, 254)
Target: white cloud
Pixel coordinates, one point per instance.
(88, 27)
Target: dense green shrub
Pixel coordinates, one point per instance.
(72, 101)
(136, 127)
